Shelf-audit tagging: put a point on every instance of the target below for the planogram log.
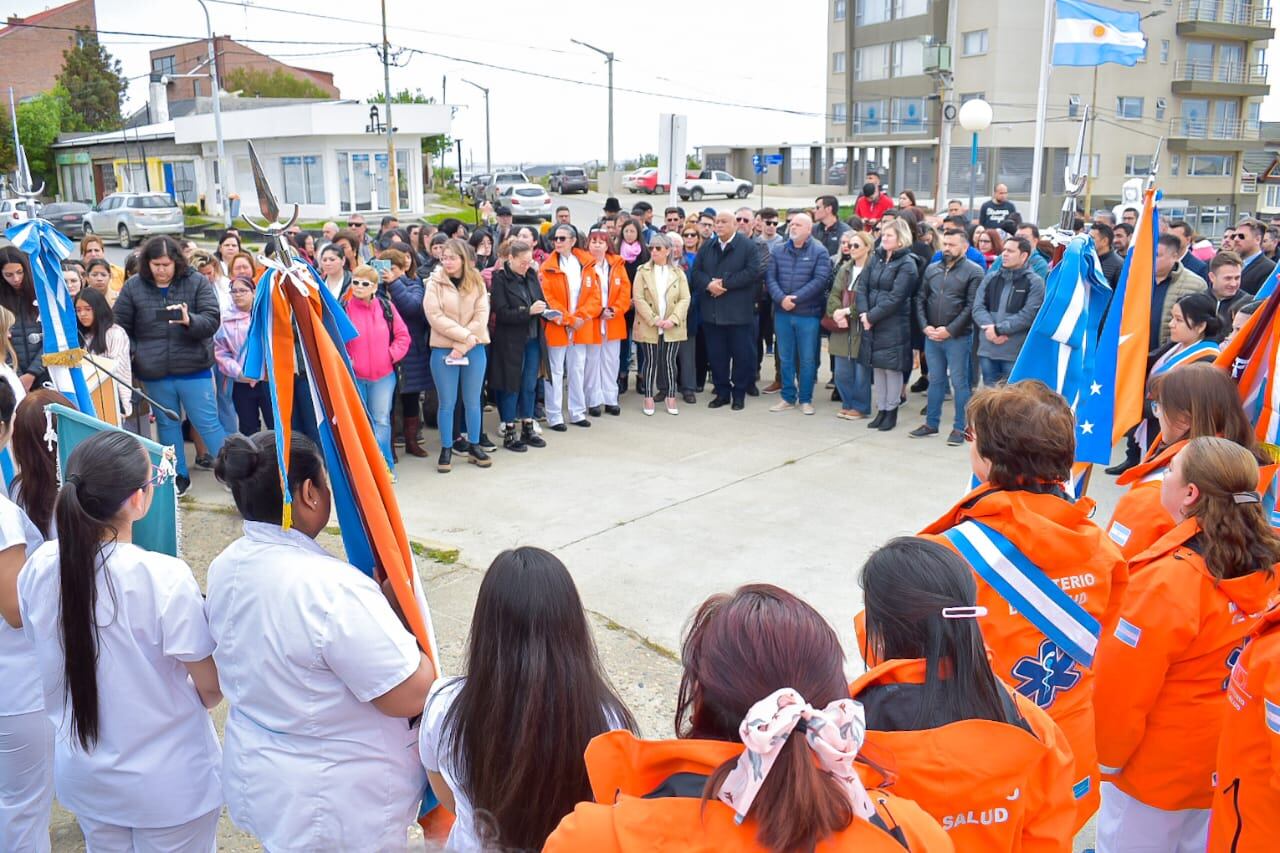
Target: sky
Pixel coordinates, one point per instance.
(740, 59)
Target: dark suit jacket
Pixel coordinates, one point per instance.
(738, 266)
(1256, 273)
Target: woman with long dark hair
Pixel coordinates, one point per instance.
(961, 740)
(504, 742)
(35, 486)
(106, 342)
(321, 675)
(121, 638)
(18, 294)
(744, 773)
(26, 739)
(1049, 578)
(1194, 598)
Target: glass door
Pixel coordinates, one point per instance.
(344, 181)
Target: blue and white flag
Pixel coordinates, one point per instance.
(1086, 34)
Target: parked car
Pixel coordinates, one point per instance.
(67, 217)
(570, 179)
(131, 216)
(714, 182)
(475, 188)
(17, 210)
(526, 201)
(644, 180)
(500, 181)
(838, 173)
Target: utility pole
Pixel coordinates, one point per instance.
(393, 180)
(608, 58)
(488, 152)
(223, 176)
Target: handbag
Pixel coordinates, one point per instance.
(829, 323)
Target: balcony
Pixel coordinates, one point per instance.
(1214, 135)
(1225, 19)
(1220, 79)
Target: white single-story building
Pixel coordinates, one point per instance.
(326, 156)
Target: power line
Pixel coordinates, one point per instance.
(199, 38)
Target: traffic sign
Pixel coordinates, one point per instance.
(756, 160)
(774, 159)
(761, 168)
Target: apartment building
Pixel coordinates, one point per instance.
(31, 47)
(1200, 87)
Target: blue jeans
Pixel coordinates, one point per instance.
(994, 370)
(948, 358)
(447, 378)
(519, 404)
(797, 350)
(226, 402)
(853, 381)
(378, 396)
(195, 397)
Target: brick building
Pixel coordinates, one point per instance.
(31, 47)
(193, 57)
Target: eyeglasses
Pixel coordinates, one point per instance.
(241, 290)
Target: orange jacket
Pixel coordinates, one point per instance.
(1080, 559)
(1163, 669)
(993, 786)
(618, 297)
(1246, 799)
(1139, 518)
(555, 289)
(631, 813)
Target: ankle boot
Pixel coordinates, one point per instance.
(890, 420)
(445, 463)
(875, 422)
(529, 437)
(511, 438)
(411, 444)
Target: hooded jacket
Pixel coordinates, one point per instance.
(1139, 519)
(1246, 800)
(884, 291)
(555, 290)
(1077, 556)
(648, 797)
(1163, 670)
(993, 786)
(1009, 300)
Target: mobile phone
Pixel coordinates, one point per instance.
(552, 314)
(167, 313)
(456, 361)
(381, 266)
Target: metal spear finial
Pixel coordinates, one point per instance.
(22, 174)
(272, 228)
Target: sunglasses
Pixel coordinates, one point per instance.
(772, 223)
(744, 219)
(562, 238)
(355, 224)
(689, 234)
(673, 218)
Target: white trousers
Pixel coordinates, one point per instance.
(568, 367)
(602, 364)
(26, 781)
(1127, 825)
(194, 836)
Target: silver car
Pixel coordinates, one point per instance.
(131, 216)
(526, 201)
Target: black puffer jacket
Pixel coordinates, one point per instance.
(26, 335)
(885, 290)
(162, 349)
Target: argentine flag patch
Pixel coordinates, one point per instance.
(1081, 788)
(1272, 711)
(1128, 633)
(1119, 533)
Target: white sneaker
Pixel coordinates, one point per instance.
(782, 406)
(807, 408)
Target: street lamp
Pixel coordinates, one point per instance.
(975, 117)
(217, 121)
(608, 58)
(488, 154)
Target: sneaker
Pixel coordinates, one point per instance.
(205, 461)
(923, 431)
(782, 406)
(773, 388)
(807, 408)
(461, 446)
(956, 438)
(486, 444)
(182, 484)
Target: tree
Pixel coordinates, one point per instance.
(40, 120)
(259, 83)
(432, 146)
(94, 83)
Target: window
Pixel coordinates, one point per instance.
(909, 8)
(871, 11)
(973, 43)
(908, 115)
(1161, 103)
(1137, 165)
(1271, 196)
(164, 65)
(1195, 117)
(1164, 51)
(1259, 56)
(838, 9)
(303, 180)
(908, 58)
(1013, 169)
(868, 117)
(1210, 166)
(1251, 122)
(838, 114)
(965, 97)
(1175, 165)
(837, 62)
(1128, 107)
(1073, 106)
(871, 62)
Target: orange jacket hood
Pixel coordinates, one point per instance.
(1251, 593)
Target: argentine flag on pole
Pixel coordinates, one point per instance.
(1086, 34)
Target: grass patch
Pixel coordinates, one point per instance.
(661, 651)
(445, 556)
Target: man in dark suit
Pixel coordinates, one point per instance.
(724, 280)
(1189, 261)
(1257, 266)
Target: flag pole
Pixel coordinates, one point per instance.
(1042, 103)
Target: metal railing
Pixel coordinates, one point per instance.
(1240, 12)
(1197, 127)
(1220, 72)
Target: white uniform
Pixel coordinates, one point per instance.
(304, 643)
(26, 739)
(570, 360)
(155, 764)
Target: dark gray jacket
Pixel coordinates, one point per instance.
(162, 349)
(946, 296)
(884, 292)
(1009, 300)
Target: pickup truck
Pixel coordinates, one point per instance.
(714, 182)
